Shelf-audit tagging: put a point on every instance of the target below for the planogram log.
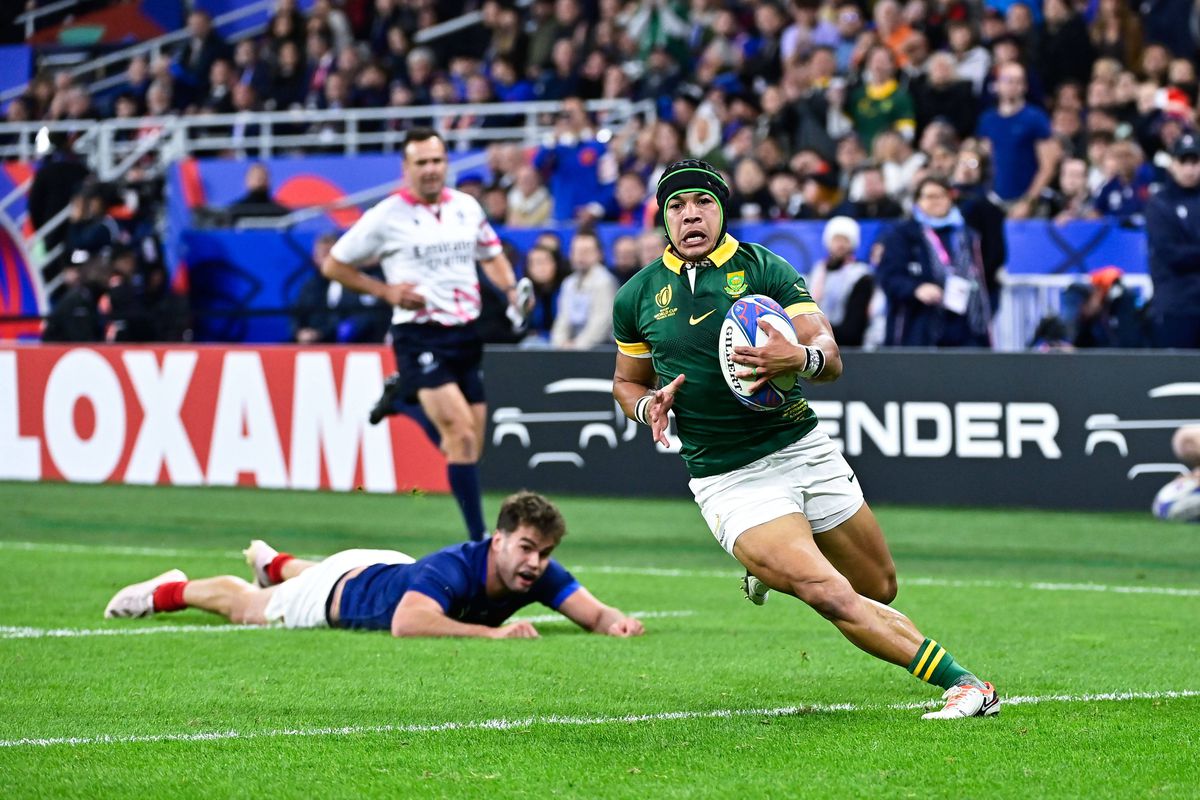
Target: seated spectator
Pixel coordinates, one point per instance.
(625, 260)
(881, 103)
(328, 313)
(651, 245)
(547, 271)
(894, 155)
(585, 301)
(529, 202)
(1109, 314)
(844, 287)
(628, 205)
(750, 200)
(258, 201)
(1123, 194)
(869, 198)
(1070, 200)
(786, 198)
(202, 47)
(941, 94)
(289, 84)
(91, 229)
(933, 277)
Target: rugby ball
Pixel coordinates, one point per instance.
(740, 329)
(1179, 500)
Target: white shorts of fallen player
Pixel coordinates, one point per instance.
(300, 602)
(809, 477)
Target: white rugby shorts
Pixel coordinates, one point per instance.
(809, 477)
(300, 602)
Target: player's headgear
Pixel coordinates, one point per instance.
(692, 175)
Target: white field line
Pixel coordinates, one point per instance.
(552, 720)
(16, 632)
(652, 572)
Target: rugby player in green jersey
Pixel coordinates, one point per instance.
(774, 490)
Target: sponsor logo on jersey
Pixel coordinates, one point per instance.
(701, 318)
(735, 283)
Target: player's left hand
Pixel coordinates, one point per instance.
(777, 357)
(664, 398)
(626, 627)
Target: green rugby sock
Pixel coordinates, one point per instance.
(933, 664)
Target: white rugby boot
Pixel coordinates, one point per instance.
(137, 600)
(259, 556)
(755, 590)
(967, 700)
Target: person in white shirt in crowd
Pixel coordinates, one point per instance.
(845, 287)
(585, 302)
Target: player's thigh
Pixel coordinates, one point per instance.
(479, 418)
(858, 550)
(782, 554)
(251, 607)
(446, 407)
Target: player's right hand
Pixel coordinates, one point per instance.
(404, 295)
(517, 630)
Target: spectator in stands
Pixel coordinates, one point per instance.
(91, 229)
(221, 80)
(628, 205)
(547, 272)
(972, 61)
(202, 47)
(750, 200)
(249, 70)
(258, 201)
(1064, 50)
(842, 285)
(941, 94)
(1024, 154)
(891, 29)
(881, 103)
(933, 277)
(584, 316)
(625, 261)
(322, 62)
(651, 244)
(289, 83)
(529, 202)
(1110, 312)
(982, 212)
(869, 198)
(1116, 32)
(326, 312)
(571, 162)
(1071, 199)
(1123, 195)
(1173, 236)
(58, 178)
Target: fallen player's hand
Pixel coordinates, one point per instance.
(517, 630)
(626, 627)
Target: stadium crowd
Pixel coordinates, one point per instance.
(815, 109)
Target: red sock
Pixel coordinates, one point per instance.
(275, 568)
(169, 596)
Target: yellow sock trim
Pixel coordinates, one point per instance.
(933, 665)
(933, 646)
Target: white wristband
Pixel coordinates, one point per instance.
(640, 408)
(814, 362)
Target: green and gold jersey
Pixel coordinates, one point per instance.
(657, 315)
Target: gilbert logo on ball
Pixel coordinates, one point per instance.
(740, 329)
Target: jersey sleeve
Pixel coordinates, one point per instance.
(487, 242)
(625, 325)
(364, 241)
(782, 283)
(555, 585)
(443, 578)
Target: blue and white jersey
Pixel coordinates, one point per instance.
(456, 577)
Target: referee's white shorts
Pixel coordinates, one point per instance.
(809, 477)
(300, 602)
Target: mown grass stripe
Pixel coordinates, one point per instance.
(25, 632)
(653, 572)
(547, 720)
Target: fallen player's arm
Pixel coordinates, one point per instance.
(420, 615)
(587, 612)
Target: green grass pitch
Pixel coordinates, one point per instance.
(1091, 620)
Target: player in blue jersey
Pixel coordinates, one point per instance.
(468, 589)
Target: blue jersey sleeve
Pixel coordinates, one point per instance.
(555, 585)
(443, 578)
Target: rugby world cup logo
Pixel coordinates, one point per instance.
(663, 298)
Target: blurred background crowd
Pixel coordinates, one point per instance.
(948, 117)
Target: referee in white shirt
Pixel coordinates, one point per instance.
(427, 238)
